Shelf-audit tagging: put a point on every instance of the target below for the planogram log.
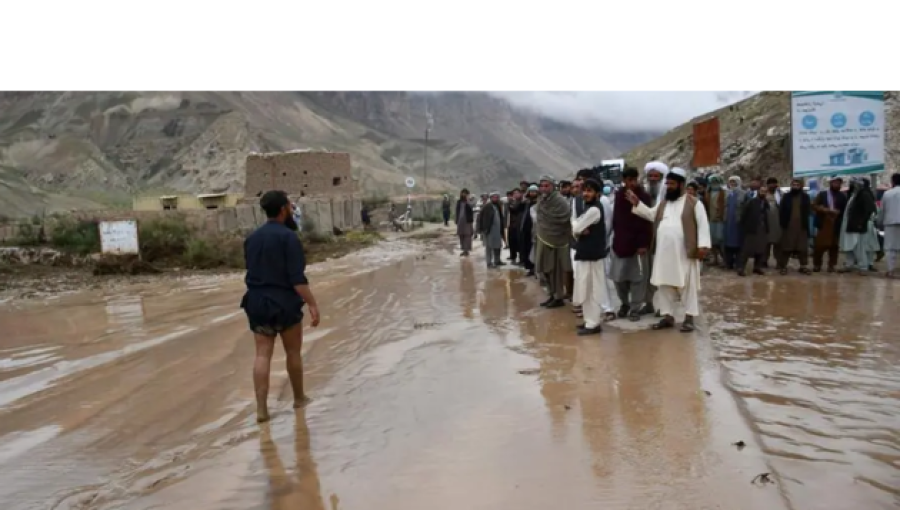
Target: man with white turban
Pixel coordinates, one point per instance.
(681, 241)
(490, 224)
(656, 172)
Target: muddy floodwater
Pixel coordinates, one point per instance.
(438, 384)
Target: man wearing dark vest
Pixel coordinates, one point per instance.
(589, 230)
(681, 241)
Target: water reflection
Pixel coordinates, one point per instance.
(815, 367)
(297, 488)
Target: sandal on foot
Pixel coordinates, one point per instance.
(609, 316)
(687, 326)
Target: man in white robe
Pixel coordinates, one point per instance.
(681, 241)
(655, 173)
(590, 230)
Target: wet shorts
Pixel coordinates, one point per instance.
(266, 317)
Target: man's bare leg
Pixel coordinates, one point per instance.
(292, 338)
(262, 365)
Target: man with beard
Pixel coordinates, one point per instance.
(794, 219)
(565, 189)
(554, 229)
(630, 259)
(656, 172)
(526, 228)
(714, 203)
(576, 204)
(774, 197)
(277, 290)
(755, 231)
(732, 239)
(490, 225)
(590, 231)
(515, 207)
(465, 221)
(828, 206)
(858, 242)
(681, 241)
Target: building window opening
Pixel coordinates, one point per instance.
(336, 181)
(212, 206)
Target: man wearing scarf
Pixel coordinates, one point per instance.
(732, 241)
(590, 230)
(828, 206)
(656, 172)
(858, 242)
(714, 202)
(554, 229)
(465, 219)
(681, 241)
(526, 228)
(630, 260)
(490, 225)
(794, 216)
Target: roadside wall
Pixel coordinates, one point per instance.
(321, 215)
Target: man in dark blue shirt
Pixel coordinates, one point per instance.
(277, 289)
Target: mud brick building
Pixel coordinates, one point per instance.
(302, 174)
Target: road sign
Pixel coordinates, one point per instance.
(410, 182)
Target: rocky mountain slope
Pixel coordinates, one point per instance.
(755, 138)
(60, 151)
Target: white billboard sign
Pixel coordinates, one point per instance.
(837, 133)
(119, 237)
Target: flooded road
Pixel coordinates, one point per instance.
(438, 384)
(814, 363)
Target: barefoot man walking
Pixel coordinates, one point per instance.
(277, 289)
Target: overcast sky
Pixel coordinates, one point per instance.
(624, 111)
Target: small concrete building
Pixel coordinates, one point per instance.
(209, 201)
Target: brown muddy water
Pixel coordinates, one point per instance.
(439, 384)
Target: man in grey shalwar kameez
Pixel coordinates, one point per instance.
(554, 230)
(490, 225)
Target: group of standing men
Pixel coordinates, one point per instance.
(761, 222)
(586, 241)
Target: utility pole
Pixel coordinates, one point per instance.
(429, 122)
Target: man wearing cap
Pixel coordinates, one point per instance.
(828, 206)
(554, 229)
(490, 225)
(794, 214)
(526, 228)
(590, 229)
(277, 289)
(681, 241)
(631, 239)
(714, 202)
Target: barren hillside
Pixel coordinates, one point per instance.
(60, 151)
(755, 138)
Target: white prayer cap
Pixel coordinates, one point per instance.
(656, 166)
(677, 174)
(495, 194)
(547, 178)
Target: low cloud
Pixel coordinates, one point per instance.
(623, 112)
